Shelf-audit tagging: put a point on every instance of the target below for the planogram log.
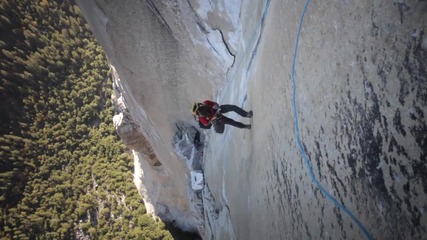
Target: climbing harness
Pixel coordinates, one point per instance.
(298, 141)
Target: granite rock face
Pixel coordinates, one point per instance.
(165, 55)
(361, 91)
(361, 94)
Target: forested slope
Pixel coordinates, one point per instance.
(64, 174)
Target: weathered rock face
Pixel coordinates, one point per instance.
(360, 99)
(162, 51)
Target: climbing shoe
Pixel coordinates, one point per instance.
(249, 114)
(248, 126)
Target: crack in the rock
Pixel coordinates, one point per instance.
(226, 45)
(156, 11)
(263, 17)
(206, 32)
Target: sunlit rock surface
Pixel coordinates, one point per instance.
(361, 93)
(165, 55)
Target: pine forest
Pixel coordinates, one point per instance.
(64, 174)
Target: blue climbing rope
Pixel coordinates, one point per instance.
(298, 142)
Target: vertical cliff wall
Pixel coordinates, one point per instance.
(360, 96)
(165, 55)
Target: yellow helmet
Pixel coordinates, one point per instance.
(195, 108)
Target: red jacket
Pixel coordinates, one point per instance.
(206, 120)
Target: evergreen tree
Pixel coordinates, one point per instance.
(63, 171)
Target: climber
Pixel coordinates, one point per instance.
(211, 113)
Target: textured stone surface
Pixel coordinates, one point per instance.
(166, 56)
(361, 97)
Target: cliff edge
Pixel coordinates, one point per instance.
(164, 55)
(359, 89)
